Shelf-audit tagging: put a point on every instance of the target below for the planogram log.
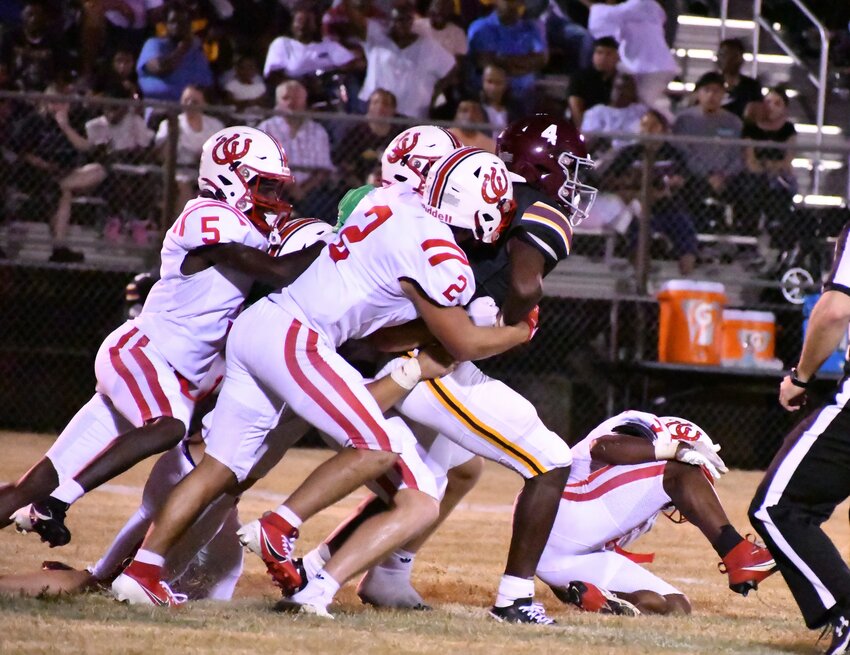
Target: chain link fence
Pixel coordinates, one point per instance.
(761, 229)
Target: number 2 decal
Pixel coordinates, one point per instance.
(353, 234)
(550, 134)
(456, 288)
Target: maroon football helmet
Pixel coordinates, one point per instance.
(549, 152)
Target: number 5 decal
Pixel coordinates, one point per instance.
(209, 231)
(456, 288)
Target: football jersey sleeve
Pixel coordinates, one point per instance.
(210, 223)
(547, 228)
(443, 273)
(839, 275)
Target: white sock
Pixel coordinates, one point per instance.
(149, 557)
(69, 491)
(512, 588)
(320, 590)
(289, 516)
(400, 560)
(315, 560)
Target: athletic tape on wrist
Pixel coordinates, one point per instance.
(408, 374)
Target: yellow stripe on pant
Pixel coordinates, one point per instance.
(448, 400)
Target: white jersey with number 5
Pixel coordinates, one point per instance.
(187, 316)
(354, 287)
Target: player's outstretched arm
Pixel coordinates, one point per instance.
(430, 363)
(458, 335)
(274, 271)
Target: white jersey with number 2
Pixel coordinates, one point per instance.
(354, 287)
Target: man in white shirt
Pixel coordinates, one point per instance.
(638, 25)
(414, 68)
(303, 53)
(621, 114)
(307, 145)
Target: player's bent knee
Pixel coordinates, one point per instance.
(167, 430)
(419, 506)
(648, 602)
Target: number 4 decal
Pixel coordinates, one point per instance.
(550, 134)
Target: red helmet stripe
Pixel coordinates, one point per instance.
(442, 173)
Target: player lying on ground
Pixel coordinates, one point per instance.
(626, 471)
(153, 369)
(378, 273)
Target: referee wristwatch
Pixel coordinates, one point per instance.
(797, 382)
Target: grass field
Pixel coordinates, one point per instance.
(457, 573)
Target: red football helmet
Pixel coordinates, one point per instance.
(549, 152)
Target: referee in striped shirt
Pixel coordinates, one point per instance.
(810, 475)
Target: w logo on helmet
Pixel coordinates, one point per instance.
(494, 187)
(405, 146)
(227, 149)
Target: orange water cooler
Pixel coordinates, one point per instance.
(690, 320)
(749, 337)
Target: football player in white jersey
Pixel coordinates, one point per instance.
(625, 472)
(481, 414)
(153, 369)
(396, 258)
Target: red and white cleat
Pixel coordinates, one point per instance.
(273, 539)
(590, 598)
(140, 584)
(747, 564)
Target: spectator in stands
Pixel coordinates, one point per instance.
(621, 114)
(592, 86)
(33, 53)
(669, 213)
(120, 74)
(741, 91)
(304, 53)
(193, 129)
(167, 65)
(308, 150)
(245, 89)
(360, 148)
(109, 25)
(52, 165)
(638, 25)
(768, 184)
(416, 69)
(495, 98)
(570, 43)
(470, 112)
(512, 42)
(437, 25)
(343, 21)
(120, 136)
(712, 166)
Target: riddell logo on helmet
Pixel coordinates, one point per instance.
(226, 149)
(405, 146)
(498, 186)
(436, 213)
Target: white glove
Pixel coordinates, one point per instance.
(698, 454)
(483, 312)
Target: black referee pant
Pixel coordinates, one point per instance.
(807, 479)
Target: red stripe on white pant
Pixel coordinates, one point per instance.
(345, 392)
(301, 379)
(151, 377)
(614, 482)
(127, 377)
